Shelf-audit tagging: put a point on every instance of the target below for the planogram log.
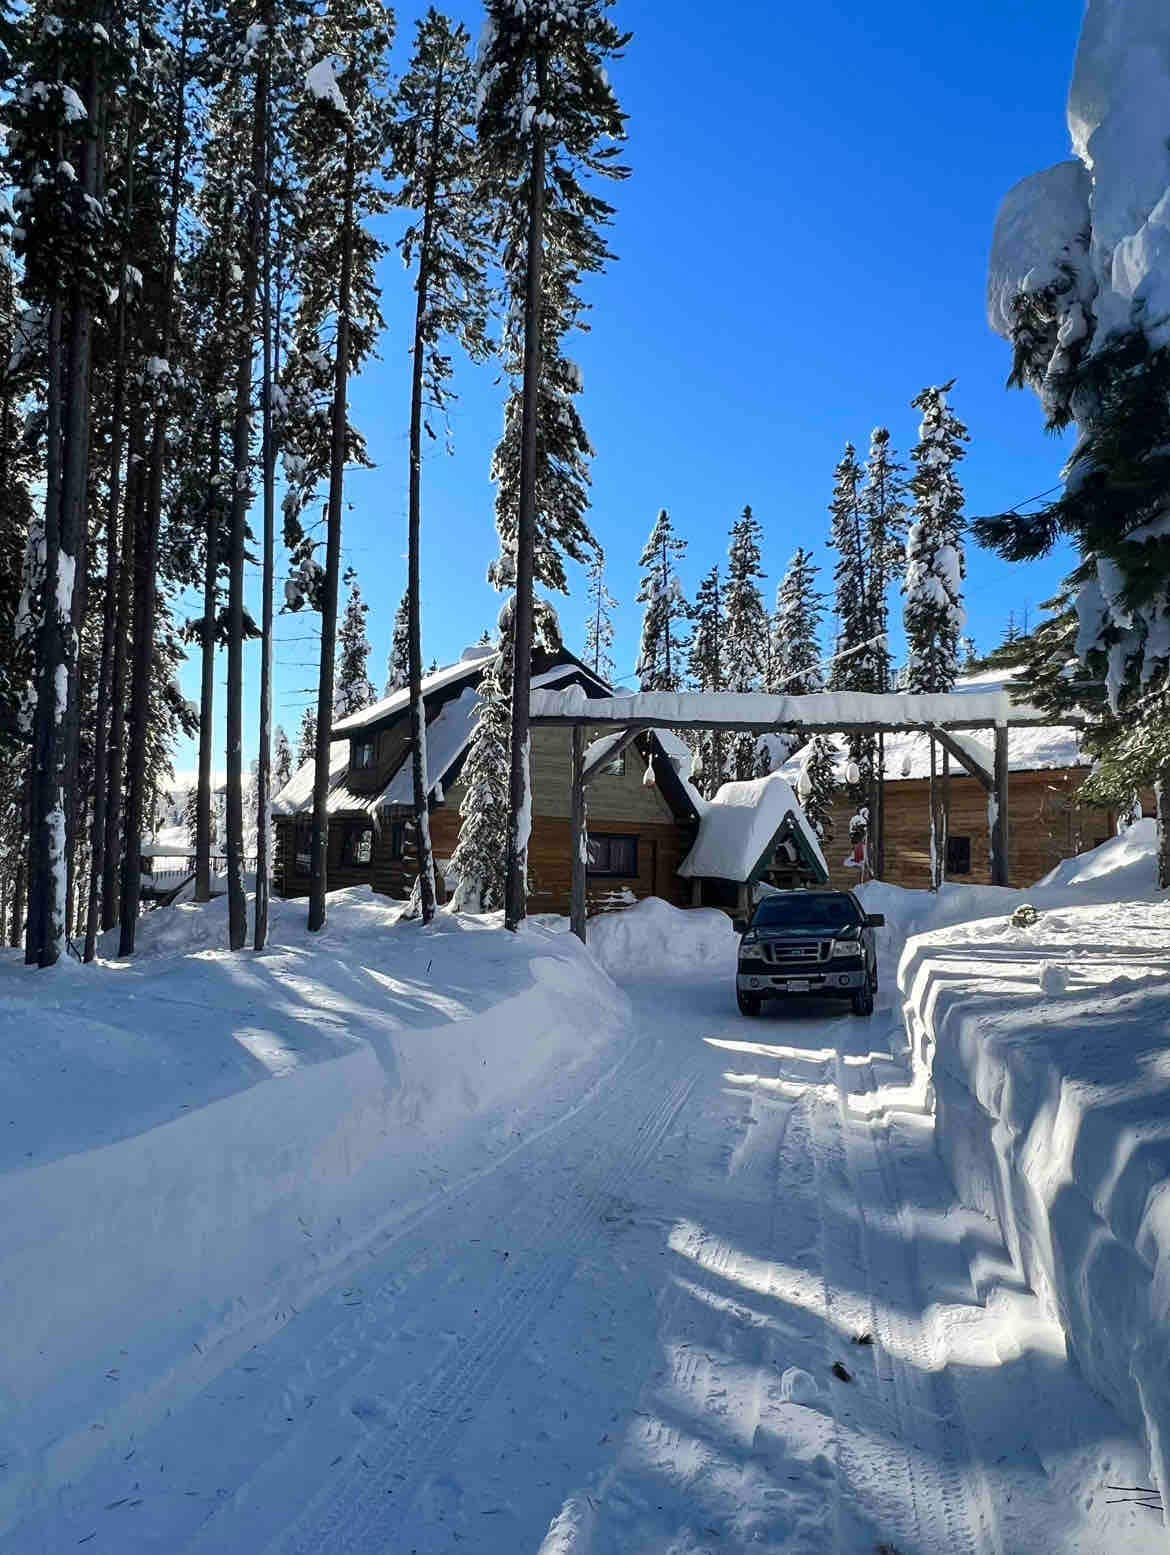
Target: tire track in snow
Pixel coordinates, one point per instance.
(364, 1508)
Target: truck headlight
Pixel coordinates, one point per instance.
(750, 938)
(843, 948)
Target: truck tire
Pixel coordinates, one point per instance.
(862, 1001)
(749, 1003)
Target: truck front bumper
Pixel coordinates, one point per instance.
(832, 981)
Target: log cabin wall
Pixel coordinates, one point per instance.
(291, 879)
(1046, 825)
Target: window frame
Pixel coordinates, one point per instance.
(396, 840)
(353, 831)
(303, 857)
(358, 745)
(626, 839)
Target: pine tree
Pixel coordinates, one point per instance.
(190, 815)
(339, 142)
(662, 657)
(705, 662)
(549, 126)
(884, 505)
(795, 660)
(817, 785)
(307, 737)
(447, 245)
(282, 760)
(481, 851)
(599, 622)
(746, 638)
(353, 688)
(935, 568)
(398, 661)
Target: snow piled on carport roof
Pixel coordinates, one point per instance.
(739, 824)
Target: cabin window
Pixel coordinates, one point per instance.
(612, 856)
(397, 839)
(364, 752)
(358, 845)
(958, 855)
(304, 854)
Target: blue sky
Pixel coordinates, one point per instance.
(802, 247)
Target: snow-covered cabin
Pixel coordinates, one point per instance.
(752, 832)
(643, 811)
(1046, 823)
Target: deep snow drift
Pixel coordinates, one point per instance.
(1048, 1048)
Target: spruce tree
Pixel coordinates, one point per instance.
(398, 661)
(705, 662)
(935, 568)
(856, 654)
(817, 785)
(480, 853)
(746, 637)
(549, 126)
(307, 736)
(662, 656)
(282, 760)
(447, 246)
(599, 621)
(795, 660)
(353, 688)
(884, 505)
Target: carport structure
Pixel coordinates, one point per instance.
(945, 716)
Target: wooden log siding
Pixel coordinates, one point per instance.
(1046, 826)
(290, 881)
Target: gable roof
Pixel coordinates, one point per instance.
(296, 797)
(469, 667)
(741, 826)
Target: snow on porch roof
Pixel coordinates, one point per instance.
(739, 825)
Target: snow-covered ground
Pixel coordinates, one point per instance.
(457, 1245)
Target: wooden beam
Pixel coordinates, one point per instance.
(964, 758)
(643, 722)
(997, 806)
(599, 763)
(579, 838)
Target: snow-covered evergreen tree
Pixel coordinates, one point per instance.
(480, 853)
(705, 662)
(353, 688)
(746, 633)
(398, 659)
(795, 659)
(935, 568)
(662, 655)
(599, 621)
(885, 542)
(307, 736)
(818, 784)
(282, 760)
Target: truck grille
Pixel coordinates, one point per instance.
(795, 956)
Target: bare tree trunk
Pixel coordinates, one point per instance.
(418, 721)
(268, 464)
(519, 819)
(144, 613)
(1162, 799)
(123, 634)
(16, 933)
(241, 461)
(319, 881)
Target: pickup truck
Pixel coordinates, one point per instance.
(810, 943)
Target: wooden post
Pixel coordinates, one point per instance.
(998, 806)
(579, 842)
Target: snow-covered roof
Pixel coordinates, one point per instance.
(824, 709)
(681, 757)
(399, 701)
(738, 827)
(297, 794)
(907, 754)
(448, 734)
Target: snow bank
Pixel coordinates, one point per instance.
(1049, 1054)
(655, 937)
(199, 1140)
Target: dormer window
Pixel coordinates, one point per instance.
(363, 755)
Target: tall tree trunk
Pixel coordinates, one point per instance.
(16, 933)
(241, 463)
(268, 464)
(519, 812)
(132, 519)
(1162, 798)
(207, 669)
(319, 881)
(144, 613)
(101, 739)
(418, 720)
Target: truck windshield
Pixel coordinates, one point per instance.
(797, 911)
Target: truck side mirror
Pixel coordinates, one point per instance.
(739, 925)
(876, 920)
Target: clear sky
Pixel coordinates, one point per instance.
(802, 247)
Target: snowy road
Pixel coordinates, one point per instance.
(622, 1338)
